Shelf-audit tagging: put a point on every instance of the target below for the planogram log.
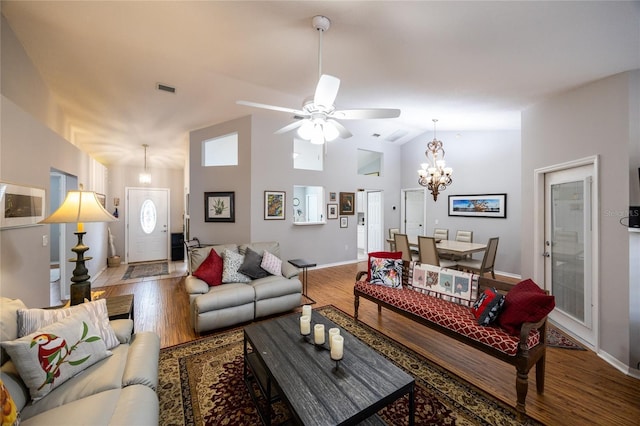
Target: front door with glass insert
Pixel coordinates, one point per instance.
(147, 224)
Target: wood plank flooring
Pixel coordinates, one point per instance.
(580, 388)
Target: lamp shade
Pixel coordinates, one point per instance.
(79, 207)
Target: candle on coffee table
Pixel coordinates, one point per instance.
(318, 334)
(305, 325)
(337, 347)
(306, 310)
(334, 331)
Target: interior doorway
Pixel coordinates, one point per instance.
(413, 212)
(370, 222)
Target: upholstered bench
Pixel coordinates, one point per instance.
(457, 321)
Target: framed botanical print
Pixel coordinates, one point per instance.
(274, 205)
(219, 207)
(347, 202)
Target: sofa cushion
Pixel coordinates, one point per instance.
(52, 355)
(525, 302)
(251, 265)
(260, 247)
(210, 270)
(224, 296)
(275, 286)
(197, 255)
(31, 320)
(230, 266)
(9, 322)
(271, 263)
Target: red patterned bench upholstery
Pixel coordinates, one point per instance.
(457, 321)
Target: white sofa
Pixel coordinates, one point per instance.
(233, 303)
(118, 390)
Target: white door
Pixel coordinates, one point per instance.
(375, 234)
(568, 249)
(414, 212)
(147, 224)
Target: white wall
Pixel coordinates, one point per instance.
(595, 119)
(483, 162)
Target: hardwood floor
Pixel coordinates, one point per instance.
(580, 388)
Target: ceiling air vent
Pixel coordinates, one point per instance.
(166, 88)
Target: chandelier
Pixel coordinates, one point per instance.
(145, 177)
(434, 175)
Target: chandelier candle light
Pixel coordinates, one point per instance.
(434, 175)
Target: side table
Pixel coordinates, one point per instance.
(120, 307)
(304, 265)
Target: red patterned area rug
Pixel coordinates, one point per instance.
(200, 383)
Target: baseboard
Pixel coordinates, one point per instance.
(619, 365)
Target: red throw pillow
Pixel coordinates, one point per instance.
(381, 255)
(526, 302)
(488, 306)
(210, 270)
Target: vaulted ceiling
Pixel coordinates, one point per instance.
(471, 64)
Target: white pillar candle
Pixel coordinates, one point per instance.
(333, 332)
(306, 310)
(318, 334)
(305, 325)
(337, 347)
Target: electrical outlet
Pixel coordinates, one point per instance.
(45, 240)
(436, 221)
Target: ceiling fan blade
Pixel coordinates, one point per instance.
(289, 127)
(326, 91)
(361, 114)
(344, 132)
(272, 107)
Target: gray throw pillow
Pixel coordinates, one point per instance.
(251, 265)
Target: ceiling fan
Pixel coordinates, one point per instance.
(318, 117)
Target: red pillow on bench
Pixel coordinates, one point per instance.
(526, 302)
(381, 255)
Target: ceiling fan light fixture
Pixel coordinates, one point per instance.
(330, 132)
(318, 135)
(306, 130)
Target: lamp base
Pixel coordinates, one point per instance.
(78, 292)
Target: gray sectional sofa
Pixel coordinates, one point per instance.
(118, 390)
(232, 303)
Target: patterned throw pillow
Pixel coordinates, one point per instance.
(31, 320)
(54, 354)
(9, 415)
(382, 255)
(251, 265)
(387, 272)
(271, 264)
(230, 266)
(488, 306)
(210, 270)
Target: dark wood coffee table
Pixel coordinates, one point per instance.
(287, 367)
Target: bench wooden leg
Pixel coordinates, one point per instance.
(540, 374)
(522, 386)
(379, 309)
(356, 305)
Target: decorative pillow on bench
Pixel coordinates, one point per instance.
(526, 302)
(488, 306)
(385, 268)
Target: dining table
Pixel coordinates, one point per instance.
(459, 248)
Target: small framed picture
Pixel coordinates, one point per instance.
(332, 197)
(344, 222)
(347, 202)
(20, 205)
(274, 205)
(332, 211)
(219, 207)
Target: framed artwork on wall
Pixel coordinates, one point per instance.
(20, 205)
(332, 197)
(479, 205)
(274, 205)
(344, 222)
(332, 211)
(219, 207)
(347, 202)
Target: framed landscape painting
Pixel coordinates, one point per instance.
(480, 205)
(219, 207)
(274, 205)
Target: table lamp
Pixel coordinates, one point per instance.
(80, 207)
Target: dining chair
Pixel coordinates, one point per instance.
(392, 243)
(441, 234)
(428, 253)
(486, 264)
(402, 244)
(464, 237)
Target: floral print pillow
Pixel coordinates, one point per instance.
(387, 272)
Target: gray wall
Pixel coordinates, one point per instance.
(483, 162)
(599, 118)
